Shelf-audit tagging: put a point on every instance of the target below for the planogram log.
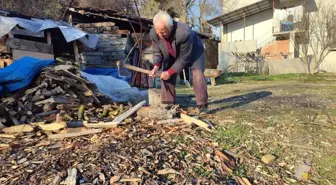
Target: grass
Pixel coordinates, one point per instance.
(228, 78)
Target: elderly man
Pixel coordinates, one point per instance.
(175, 47)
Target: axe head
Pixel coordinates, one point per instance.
(121, 71)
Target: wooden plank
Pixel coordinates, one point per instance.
(28, 45)
(126, 114)
(75, 134)
(190, 120)
(17, 54)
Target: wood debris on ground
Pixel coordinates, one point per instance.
(60, 130)
(137, 152)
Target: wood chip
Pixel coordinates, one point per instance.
(222, 156)
(268, 158)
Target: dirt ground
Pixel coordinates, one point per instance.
(290, 117)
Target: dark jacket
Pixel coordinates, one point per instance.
(187, 45)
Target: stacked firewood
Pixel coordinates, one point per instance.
(58, 91)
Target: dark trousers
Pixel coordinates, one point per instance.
(168, 92)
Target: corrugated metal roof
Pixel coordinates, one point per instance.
(238, 14)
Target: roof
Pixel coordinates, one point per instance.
(83, 14)
(240, 13)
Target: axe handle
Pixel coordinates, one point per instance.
(138, 69)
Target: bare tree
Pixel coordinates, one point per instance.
(34, 8)
(319, 35)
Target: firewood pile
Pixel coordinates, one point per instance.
(58, 94)
(143, 151)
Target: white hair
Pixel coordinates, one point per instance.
(163, 16)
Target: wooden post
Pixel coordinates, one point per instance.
(154, 97)
(48, 38)
(75, 47)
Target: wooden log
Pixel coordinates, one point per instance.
(28, 45)
(156, 112)
(75, 134)
(154, 97)
(190, 120)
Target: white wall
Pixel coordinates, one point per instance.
(257, 27)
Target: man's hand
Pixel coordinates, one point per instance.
(154, 71)
(165, 75)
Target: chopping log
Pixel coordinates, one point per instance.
(156, 112)
(212, 74)
(154, 97)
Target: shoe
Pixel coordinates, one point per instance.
(199, 110)
(203, 109)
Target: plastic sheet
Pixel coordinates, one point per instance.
(69, 32)
(118, 90)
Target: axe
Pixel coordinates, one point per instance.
(120, 65)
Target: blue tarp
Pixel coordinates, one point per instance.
(21, 73)
(106, 72)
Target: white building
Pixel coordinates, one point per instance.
(268, 25)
